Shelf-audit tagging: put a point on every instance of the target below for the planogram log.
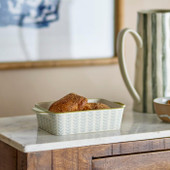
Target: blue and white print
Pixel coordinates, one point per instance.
(28, 13)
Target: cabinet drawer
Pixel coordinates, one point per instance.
(144, 161)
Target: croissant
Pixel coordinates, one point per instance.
(69, 103)
(95, 106)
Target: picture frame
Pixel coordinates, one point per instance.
(118, 23)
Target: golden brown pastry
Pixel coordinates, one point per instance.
(69, 103)
(95, 106)
(168, 102)
(102, 106)
(90, 106)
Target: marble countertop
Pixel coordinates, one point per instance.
(22, 133)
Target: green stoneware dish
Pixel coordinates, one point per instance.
(80, 121)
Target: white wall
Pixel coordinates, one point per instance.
(21, 89)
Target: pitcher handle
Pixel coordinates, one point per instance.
(121, 57)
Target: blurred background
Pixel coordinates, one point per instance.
(21, 89)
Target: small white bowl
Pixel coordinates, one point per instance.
(162, 108)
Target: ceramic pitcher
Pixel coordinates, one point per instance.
(152, 72)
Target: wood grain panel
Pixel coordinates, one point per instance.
(65, 159)
(7, 157)
(21, 161)
(87, 153)
(34, 161)
(139, 146)
(144, 161)
(167, 143)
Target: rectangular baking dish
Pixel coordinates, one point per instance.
(80, 121)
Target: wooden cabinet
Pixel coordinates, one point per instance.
(143, 161)
(138, 155)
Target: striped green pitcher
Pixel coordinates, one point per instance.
(152, 74)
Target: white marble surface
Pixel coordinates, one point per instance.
(22, 133)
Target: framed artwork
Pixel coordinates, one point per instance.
(49, 33)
